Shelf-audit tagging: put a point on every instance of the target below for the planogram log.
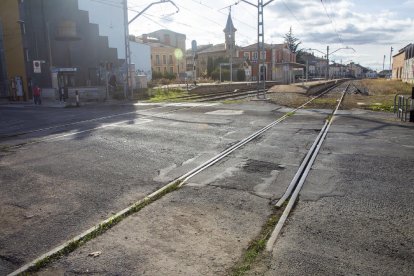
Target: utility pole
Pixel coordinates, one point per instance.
(261, 64)
(327, 56)
(327, 60)
(383, 64)
(391, 62)
(231, 51)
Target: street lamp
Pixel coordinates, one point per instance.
(327, 55)
(127, 47)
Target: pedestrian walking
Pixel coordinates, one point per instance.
(37, 95)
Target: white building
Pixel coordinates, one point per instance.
(141, 58)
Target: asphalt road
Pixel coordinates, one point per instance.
(355, 213)
(55, 186)
(63, 180)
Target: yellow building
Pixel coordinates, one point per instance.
(398, 65)
(164, 60)
(14, 55)
(167, 52)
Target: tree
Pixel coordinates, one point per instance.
(241, 75)
(293, 44)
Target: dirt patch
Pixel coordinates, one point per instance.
(378, 95)
(288, 89)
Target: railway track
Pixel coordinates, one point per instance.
(179, 182)
(292, 192)
(239, 93)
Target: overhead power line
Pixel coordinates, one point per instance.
(332, 22)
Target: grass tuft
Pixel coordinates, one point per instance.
(166, 95)
(256, 247)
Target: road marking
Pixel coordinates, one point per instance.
(143, 121)
(81, 122)
(225, 112)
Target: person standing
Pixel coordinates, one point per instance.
(37, 95)
(19, 88)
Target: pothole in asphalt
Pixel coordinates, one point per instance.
(254, 166)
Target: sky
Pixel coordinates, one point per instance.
(370, 27)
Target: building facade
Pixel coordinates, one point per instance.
(13, 55)
(408, 71)
(167, 51)
(62, 43)
(398, 65)
(141, 59)
(279, 62)
(403, 64)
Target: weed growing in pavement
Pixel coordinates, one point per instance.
(4, 148)
(166, 95)
(381, 107)
(101, 228)
(256, 247)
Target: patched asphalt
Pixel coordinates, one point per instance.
(355, 212)
(345, 221)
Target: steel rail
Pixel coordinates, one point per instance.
(241, 143)
(300, 177)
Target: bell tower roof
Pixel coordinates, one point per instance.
(229, 25)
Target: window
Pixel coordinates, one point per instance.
(172, 70)
(165, 70)
(170, 60)
(263, 55)
(159, 69)
(254, 57)
(157, 60)
(246, 55)
(164, 59)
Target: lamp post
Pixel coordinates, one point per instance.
(127, 48)
(327, 55)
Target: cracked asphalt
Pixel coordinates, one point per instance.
(355, 212)
(53, 190)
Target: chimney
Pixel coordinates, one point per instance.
(144, 38)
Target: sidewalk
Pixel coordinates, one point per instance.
(58, 104)
(45, 103)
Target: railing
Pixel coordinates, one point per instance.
(403, 106)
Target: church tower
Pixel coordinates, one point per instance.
(229, 33)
